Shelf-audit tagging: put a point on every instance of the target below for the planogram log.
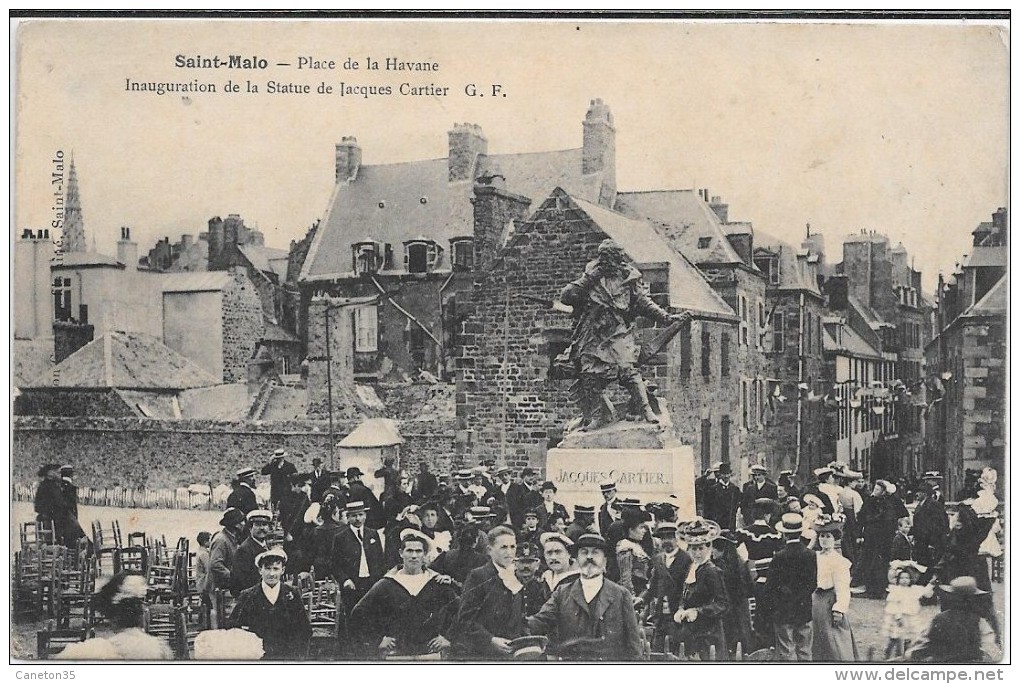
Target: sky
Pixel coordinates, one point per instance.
(899, 128)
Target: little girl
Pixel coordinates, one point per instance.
(902, 624)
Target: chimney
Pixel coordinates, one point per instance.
(127, 251)
(721, 210)
(494, 209)
(186, 242)
(467, 144)
(599, 149)
(215, 240)
(1000, 220)
(348, 159)
(741, 238)
(837, 289)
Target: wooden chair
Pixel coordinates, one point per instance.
(190, 621)
(105, 545)
(132, 559)
(223, 604)
(136, 539)
(326, 616)
(160, 620)
(74, 596)
(50, 642)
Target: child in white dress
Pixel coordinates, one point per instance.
(902, 624)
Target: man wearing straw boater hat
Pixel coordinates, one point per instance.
(358, 558)
(591, 618)
(274, 610)
(786, 600)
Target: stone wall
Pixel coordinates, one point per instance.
(139, 452)
(242, 326)
(71, 403)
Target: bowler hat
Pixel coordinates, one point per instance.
(592, 541)
(231, 517)
(548, 484)
(316, 461)
(527, 471)
(354, 471)
(275, 553)
(790, 523)
(724, 469)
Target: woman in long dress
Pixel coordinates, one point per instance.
(832, 637)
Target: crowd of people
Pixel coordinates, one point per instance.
(485, 564)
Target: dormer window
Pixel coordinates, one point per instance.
(368, 256)
(704, 242)
(768, 264)
(463, 251)
(421, 255)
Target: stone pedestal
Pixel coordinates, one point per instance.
(648, 474)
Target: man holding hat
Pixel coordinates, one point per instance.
(550, 507)
(279, 470)
(244, 572)
(410, 611)
(223, 547)
(760, 487)
(491, 606)
(665, 586)
(243, 496)
(786, 601)
(591, 618)
(273, 610)
(320, 480)
(723, 499)
(583, 522)
(358, 558)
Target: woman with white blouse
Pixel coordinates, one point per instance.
(832, 640)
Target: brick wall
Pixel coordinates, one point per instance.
(508, 406)
(242, 326)
(137, 452)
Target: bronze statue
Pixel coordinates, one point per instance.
(606, 300)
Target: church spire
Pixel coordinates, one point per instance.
(73, 238)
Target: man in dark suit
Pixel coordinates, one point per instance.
(358, 558)
(425, 484)
(760, 487)
(293, 507)
(359, 492)
(723, 499)
(786, 600)
(609, 511)
(492, 604)
(243, 572)
(931, 529)
(592, 618)
(274, 611)
(583, 522)
(666, 583)
(320, 480)
(243, 496)
(522, 496)
(279, 470)
(549, 507)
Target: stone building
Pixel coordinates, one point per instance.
(792, 340)
(697, 225)
(967, 360)
(404, 233)
(511, 405)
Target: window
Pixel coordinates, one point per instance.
(760, 343)
(416, 346)
(62, 299)
(706, 356)
(421, 256)
(704, 242)
(807, 333)
(685, 350)
(706, 442)
(463, 250)
(743, 404)
(778, 330)
(724, 355)
(768, 264)
(366, 329)
(724, 439)
(366, 257)
(742, 301)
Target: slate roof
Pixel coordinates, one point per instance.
(849, 341)
(373, 432)
(265, 258)
(871, 317)
(688, 289)
(127, 361)
(685, 219)
(988, 256)
(790, 275)
(274, 333)
(418, 200)
(994, 303)
(197, 281)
